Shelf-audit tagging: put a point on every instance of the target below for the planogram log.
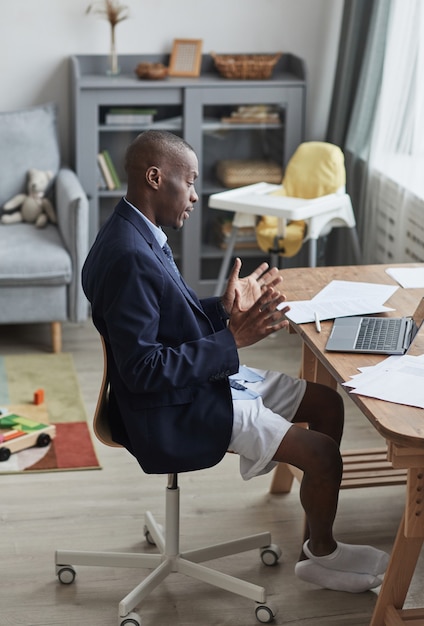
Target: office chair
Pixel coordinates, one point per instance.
(309, 203)
(169, 559)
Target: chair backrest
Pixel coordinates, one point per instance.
(316, 169)
(100, 421)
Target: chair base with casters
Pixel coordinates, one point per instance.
(169, 559)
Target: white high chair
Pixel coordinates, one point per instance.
(310, 202)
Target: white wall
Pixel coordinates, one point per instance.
(38, 36)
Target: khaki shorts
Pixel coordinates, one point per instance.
(260, 424)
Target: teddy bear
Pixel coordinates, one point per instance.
(32, 207)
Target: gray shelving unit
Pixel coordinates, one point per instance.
(192, 108)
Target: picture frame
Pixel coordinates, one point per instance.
(186, 57)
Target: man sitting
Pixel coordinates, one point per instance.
(179, 397)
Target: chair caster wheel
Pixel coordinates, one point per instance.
(132, 619)
(270, 554)
(66, 574)
(265, 613)
(148, 537)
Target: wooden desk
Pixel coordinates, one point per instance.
(401, 426)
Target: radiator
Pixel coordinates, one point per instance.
(399, 223)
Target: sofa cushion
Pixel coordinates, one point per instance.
(33, 256)
(28, 138)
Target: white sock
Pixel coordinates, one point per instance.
(351, 582)
(350, 558)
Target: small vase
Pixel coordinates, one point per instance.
(113, 69)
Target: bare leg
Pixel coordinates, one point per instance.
(322, 409)
(316, 452)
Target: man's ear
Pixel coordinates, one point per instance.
(153, 176)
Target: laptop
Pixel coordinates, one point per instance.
(375, 335)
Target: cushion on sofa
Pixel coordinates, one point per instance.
(28, 138)
(33, 256)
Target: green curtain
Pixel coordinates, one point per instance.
(356, 87)
(355, 27)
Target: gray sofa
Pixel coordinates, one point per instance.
(40, 268)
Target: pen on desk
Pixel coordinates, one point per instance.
(317, 322)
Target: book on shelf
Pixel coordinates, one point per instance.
(130, 116)
(105, 171)
(112, 169)
(101, 180)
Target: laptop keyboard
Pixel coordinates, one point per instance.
(378, 333)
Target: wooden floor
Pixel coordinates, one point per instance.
(103, 509)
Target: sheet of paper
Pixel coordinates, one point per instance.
(347, 289)
(411, 277)
(396, 379)
(302, 311)
(341, 298)
(368, 374)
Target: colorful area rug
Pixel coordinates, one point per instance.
(72, 447)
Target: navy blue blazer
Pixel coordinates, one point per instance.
(169, 354)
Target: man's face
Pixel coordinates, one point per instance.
(177, 192)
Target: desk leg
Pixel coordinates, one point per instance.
(406, 550)
(398, 576)
(282, 479)
(313, 370)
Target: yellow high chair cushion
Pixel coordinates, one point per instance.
(315, 169)
(288, 246)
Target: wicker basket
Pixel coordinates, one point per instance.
(236, 173)
(245, 66)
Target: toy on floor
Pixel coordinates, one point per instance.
(32, 207)
(19, 433)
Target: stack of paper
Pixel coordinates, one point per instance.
(398, 379)
(341, 298)
(411, 277)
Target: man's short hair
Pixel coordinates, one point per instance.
(151, 146)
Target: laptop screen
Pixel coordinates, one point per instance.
(418, 316)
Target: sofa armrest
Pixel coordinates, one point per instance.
(71, 206)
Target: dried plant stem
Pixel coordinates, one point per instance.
(113, 60)
(114, 12)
